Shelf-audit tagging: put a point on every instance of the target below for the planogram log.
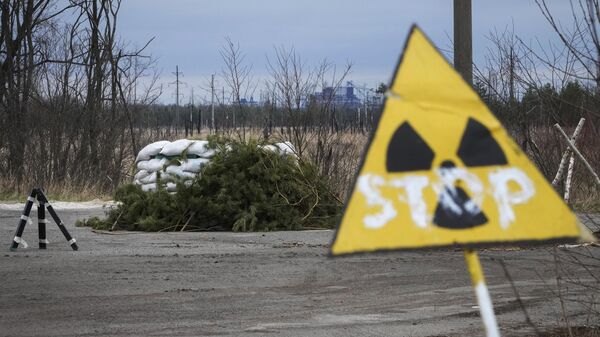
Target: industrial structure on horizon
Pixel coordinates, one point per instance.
(345, 96)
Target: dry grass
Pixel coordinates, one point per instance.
(55, 191)
(546, 152)
(337, 154)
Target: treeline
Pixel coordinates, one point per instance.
(545, 105)
(170, 120)
(529, 119)
(77, 103)
(532, 85)
(68, 94)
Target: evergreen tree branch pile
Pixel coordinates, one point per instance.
(244, 188)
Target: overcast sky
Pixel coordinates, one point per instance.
(370, 34)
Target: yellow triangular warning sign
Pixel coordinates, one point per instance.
(440, 170)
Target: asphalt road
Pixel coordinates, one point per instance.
(266, 284)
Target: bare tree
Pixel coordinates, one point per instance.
(68, 93)
(582, 40)
(237, 75)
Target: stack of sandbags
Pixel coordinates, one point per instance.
(284, 149)
(167, 163)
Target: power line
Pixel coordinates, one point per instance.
(177, 94)
(212, 100)
(177, 83)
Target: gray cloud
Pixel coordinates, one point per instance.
(368, 33)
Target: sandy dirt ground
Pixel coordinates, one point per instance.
(262, 284)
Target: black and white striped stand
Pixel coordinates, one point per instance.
(42, 225)
(24, 218)
(38, 193)
(42, 199)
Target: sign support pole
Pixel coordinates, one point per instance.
(481, 292)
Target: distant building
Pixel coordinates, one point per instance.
(342, 97)
(251, 102)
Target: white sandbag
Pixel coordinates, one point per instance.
(141, 174)
(194, 165)
(137, 182)
(142, 165)
(177, 171)
(199, 148)
(149, 187)
(171, 187)
(152, 165)
(283, 149)
(154, 177)
(176, 148)
(164, 176)
(151, 150)
(208, 154)
(149, 179)
(286, 148)
(271, 148)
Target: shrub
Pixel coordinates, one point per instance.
(245, 188)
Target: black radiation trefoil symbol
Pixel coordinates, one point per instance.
(408, 151)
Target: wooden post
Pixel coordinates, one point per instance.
(563, 160)
(463, 39)
(576, 151)
(569, 178)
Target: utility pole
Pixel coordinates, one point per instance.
(366, 102)
(212, 100)
(176, 73)
(463, 63)
(177, 83)
(191, 120)
(463, 39)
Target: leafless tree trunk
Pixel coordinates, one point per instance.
(66, 88)
(237, 76)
